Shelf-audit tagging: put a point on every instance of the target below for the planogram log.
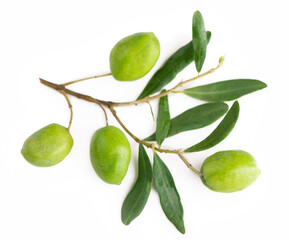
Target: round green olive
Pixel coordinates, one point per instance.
(110, 154)
(48, 146)
(134, 56)
(229, 171)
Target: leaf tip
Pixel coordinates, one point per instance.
(264, 85)
(181, 228)
(125, 222)
(209, 35)
(124, 218)
(197, 13)
(236, 103)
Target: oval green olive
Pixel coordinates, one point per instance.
(47, 146)
(134, 56)
(229, 171)
(110, 154)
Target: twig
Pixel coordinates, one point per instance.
(62, 87)
(149, 145)
(110, 105)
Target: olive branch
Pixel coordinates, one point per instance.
(215, 95)
(111, 106)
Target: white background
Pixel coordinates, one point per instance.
(66, 40)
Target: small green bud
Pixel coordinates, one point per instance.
(221, 59)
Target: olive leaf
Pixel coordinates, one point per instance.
(225, 90)
(137, 197)
(194, 118)
(199, 40)
(163, 120)
(221, 131)
(169, 196)
(174, 64)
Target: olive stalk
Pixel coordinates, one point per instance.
(84, 79)
(70, 108)
(189, 165)
(105, 114)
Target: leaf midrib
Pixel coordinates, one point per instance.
(162, 175)
(211, 92)
(141, 194)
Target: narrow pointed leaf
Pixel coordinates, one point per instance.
(174, 64)
(137, 197)
(226, 90)
(221, 132)
(195, 118)
(199, 40)
(163, 120)
(169, 196)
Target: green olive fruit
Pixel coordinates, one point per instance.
(47, 146)
(110, 154)
(229, 171)
(134, 56)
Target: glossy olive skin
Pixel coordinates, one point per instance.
(110, 154)
(229, 171)
(134, 56)
(47, 146)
